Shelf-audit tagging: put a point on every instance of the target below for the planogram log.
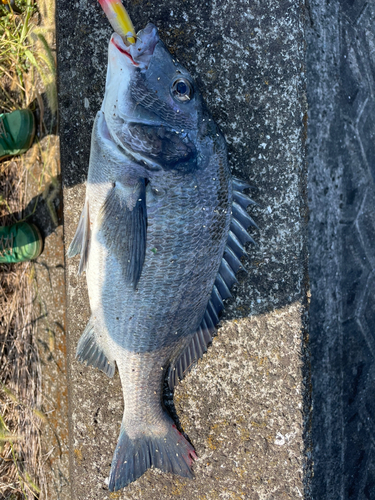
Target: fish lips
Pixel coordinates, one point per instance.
(138, 54)
(124, 63)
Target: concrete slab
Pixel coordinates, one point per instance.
(44, 203)
(244, 406)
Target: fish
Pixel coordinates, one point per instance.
(161, 236)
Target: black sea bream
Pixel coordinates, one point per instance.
(160, 238)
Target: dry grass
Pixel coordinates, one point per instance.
(26, 55)
(21, 463)
(26, 69)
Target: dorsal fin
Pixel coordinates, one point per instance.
(230, 264)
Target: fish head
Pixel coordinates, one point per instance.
(152, 106)
(124, 62)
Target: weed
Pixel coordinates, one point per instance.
(24, 49)
(27, 68)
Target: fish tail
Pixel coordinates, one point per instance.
(170, 452)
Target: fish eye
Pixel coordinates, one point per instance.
(182, 89)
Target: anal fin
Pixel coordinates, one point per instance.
(92, 351)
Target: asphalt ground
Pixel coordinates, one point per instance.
(340, 40)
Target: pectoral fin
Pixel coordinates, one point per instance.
(123, 220)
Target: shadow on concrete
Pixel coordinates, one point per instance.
(45, 209)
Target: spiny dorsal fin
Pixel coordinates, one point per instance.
(230, 264)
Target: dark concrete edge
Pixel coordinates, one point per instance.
(306, 384)
(68, 369)
(67, 321)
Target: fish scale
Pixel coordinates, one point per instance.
(159, 244)
(159, 283)
(143, 412)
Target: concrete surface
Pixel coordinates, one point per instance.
(245, 407)
(44, 202)
(341, 83)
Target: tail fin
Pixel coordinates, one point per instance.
(169, 453)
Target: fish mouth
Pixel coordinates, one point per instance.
(140, 53)
(120, 45)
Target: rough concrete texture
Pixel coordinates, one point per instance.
(341, 83)
(44, 203)
(242, 406)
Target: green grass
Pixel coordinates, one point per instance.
(23, 50)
